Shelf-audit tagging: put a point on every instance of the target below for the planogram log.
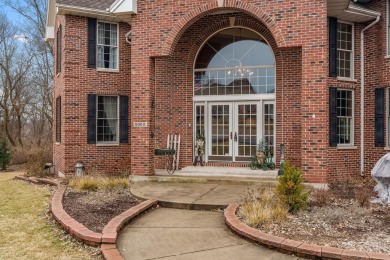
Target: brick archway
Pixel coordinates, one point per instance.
(220, 5)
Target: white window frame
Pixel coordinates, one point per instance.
(352, 130)
(352, 77)
(117, 47)
(102, 143)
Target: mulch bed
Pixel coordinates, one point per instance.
(341, 221)
(95, 209)
(342, 224)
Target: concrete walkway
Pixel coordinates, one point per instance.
(187, 235)
(200, 196)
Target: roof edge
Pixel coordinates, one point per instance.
(362, 11)
(64, 7)
(118, 11)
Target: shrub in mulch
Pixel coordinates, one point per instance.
(290, 188)
(321, 197)
(358, 189)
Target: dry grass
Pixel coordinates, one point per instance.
(37, 159)
(262, 207)
(321, 197)
(93, 183)
(25, 232)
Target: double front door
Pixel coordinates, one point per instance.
(233, 129)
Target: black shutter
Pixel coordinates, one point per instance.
(333, 116)
(91, 119)
(59, 49)
(380, 117)
(92, 28)
(124, 120)
(332, 47)
(58, 120)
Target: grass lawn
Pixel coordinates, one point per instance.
(25, 232)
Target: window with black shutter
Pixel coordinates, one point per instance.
(59, 50)
(341, 117)
(58, 120)
(108, 119)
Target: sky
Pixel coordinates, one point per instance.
(11, 14)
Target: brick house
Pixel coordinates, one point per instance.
(128, 73)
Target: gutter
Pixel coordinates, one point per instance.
(362, 93)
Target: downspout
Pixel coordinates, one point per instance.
(362, 93)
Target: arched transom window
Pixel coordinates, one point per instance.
(235, 61)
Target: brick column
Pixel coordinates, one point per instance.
(141, 112)
(314, 96)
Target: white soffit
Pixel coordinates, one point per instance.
(346, 10)
(63, 9)
(124, 7)
(50, 20)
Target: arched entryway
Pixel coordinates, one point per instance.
(234, 84)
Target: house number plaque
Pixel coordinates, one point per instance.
(140, 124)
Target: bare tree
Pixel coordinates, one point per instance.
(33, 26)
(15, 65)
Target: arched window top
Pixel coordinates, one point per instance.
(235, 47)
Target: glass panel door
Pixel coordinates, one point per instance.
(246, 130)
(220, 131)
(269, 126)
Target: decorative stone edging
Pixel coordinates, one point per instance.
(110, 252)
(294, 247)
(107, 238)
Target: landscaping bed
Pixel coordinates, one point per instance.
(94, 209)
(340, 216)
(341, 223)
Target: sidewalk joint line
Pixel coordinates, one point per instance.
(201, 196)
(192, 252)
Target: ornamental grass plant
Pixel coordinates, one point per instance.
(262, 207)
(98, 182)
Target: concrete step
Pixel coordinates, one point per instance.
(193, 174)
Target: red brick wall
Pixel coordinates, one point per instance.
(164, 34)
(158, 78)
(74, 83)
(377, 76)
(59, 148)
(343, 163)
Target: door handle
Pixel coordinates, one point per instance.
(235, 136)
(231, 135)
